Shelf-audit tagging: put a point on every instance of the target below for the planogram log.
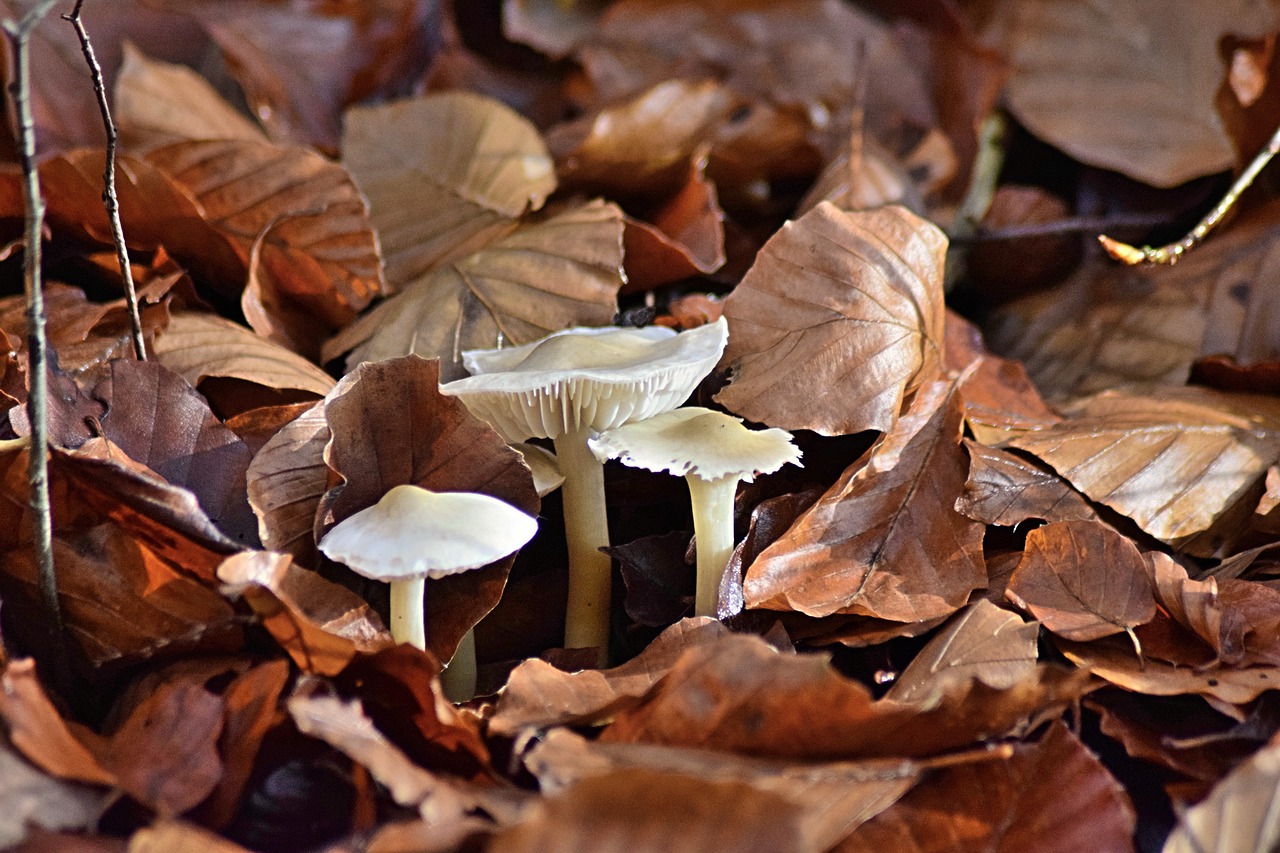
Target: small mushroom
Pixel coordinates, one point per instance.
(413, 534)
(567, 387)
(713, 452)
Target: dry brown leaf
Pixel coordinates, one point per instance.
(1192, 604)
(543, 277)
(683, 236)
(251, 709)
(173, 836)
(205, 345)
(637, 810)
(872, 178)
(319, 249)
(320, 624)
(444, 174)
(1005, 489)
(29, 798)
(1082, 580)
(1053, 796)
(1114, 660)
(982, 642)
(1160, 66)
(1250, 623)
(1239, 815)
(389, 425)
(539, 696)
(838, 318)
(286, 480)
(885, 540)
(553, 28)
(39, 733)
(160, 421)
(737, 694)
(1268, 509)
(159, 102)
(1173, 463)
(833, 798)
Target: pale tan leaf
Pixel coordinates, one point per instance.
(1241, 813)
(175, 836)
(201, 345)
(543, 277)
(1083, 580)
(159, 102)
(885, 540)
(1006, 489)
(286, 479)
(1129, 86)
(29, 797)
(840, 315)
(983, 642)
(317, 248)
(1173, 463)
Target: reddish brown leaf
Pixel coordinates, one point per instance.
(286, 481)
(1192, 604)
(1082, 580)
(1239, 815)
(160, 421)
(1053, 796)
(838, 318)
(737, 694)
(256, 427)
(685, 239)
(252, 707)
(885, 540)
(1005, 489)
(390, 425)
(319, 250)
(320, 624)
(37, 730)
(1115, 661)
(545, 276)
(1250, 623)
(538, 695)
(165, 753)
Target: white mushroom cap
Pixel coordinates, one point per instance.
(598, 378)
(414, 532)
(700, 442)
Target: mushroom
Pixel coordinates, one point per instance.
(713, 452)
(412, 534)
(567, 387)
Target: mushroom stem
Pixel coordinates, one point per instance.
(586, 530)
(459, 676)
(713, 531)
(407, 622)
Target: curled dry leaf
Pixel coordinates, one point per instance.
(681, 237)
(539, 696)
(199, 346)
(838, 318)
(318, 248)
(1162, 73)
(1239, 815)
(320, 624)
(543, 277)
(1053, 796)
(736, 694)
(39, 733)
(982, 642)
(1192, 604)
(1250, 623)
(1083, 580)
(159, 102)
(160, 421)
(1005, 489)
(389, 425)
(252, 702)
(286, 480)
(1113, 660)
(885, 540)
(833, 798)
(1174, 463)
(444, 174)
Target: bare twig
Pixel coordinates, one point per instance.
(1061, 227)
(1171, 253)
(109, 198)
(19, 35)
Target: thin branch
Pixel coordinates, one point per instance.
(19, 34)
(1171, 253)
(109, 198)
(1061, 227)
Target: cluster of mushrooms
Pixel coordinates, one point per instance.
(598, 394)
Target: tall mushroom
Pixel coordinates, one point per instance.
(567, 387)
(713, 452)
(412, 534)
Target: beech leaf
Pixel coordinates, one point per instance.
(885, 540)
(1240, 813)
(1005, 489)
(1082, 580)
(286, 480)
(1114, 661)
(840, 315)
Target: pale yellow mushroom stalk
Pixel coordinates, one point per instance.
(412, 534)
(567, 387)
(713, 452)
